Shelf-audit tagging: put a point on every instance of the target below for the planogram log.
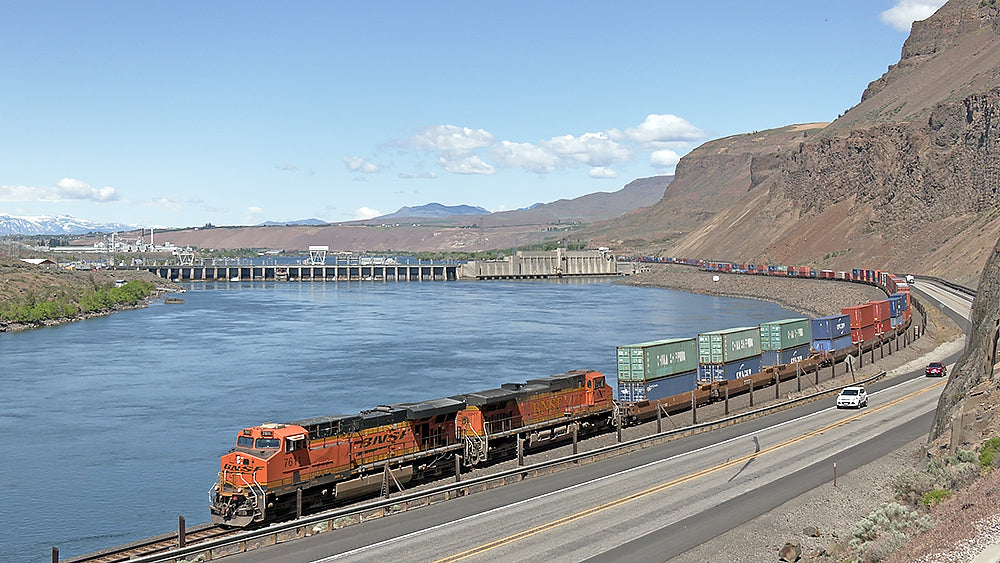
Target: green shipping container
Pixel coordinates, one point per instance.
(785, 334)
(723, 346)
(659, 358)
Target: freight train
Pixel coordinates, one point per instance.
(278, 470)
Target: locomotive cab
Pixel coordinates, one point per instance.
(239, 497)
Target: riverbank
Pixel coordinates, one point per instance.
(810, 297)
(21, 282)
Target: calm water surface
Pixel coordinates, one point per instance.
(113, 427)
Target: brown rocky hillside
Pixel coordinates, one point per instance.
(906, 180)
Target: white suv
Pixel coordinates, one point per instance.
(852, 397)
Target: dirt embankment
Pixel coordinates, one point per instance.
(813, 298)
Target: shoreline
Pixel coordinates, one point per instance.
(808, 296)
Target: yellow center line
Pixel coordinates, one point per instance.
(673, 483)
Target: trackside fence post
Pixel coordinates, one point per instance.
(694, 409)
(659, 419)
(181, 532)
(458, 467)
(55, 555)
(576, 432)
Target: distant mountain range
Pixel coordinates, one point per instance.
(434, 210)
(312, 222)
(58, 225)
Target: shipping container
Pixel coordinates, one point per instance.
(897, 303)
(674, 385)
(883, 310)
(659, 358)
(883, 327)
(831, 327)
(861, 315)
(723, 346)
(787, 356)
(784, 334)
(862, 334)
(833, 344)
(729, 371)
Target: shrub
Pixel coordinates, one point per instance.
(949, 473)
(988, 452)
(932, 498)
(891, 522)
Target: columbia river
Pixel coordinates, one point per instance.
(113, 426)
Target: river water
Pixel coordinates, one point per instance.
(113, 427)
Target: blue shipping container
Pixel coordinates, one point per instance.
(786, 356)
(730, 371)
(654, 390)
(831, 327)
(897, 304)
(829, 345)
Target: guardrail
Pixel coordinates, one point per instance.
(340, 518)
(950, 285)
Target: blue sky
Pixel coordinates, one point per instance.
(185, 113)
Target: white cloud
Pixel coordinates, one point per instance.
(465, 164)
(524, 155)
(905, 12)
(664, 159)
(358, 164)
(451, 139)
(602, 173)
(170, 203)
(667, 128)
(367, 213)
(595, 149)
(254, 210)
(66, 189)
(418, 176)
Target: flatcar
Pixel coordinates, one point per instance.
(276, 469)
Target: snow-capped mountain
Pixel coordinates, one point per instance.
(58, 225)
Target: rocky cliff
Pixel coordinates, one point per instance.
(969, 408)
(906, 180)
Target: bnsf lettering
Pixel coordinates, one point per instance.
(381, 439)
(240, 468)
(544, 405)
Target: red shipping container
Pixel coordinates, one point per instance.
(861, 315)
(859, 335)
(883, 327)
(883, 310)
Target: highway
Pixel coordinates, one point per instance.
(653, 504)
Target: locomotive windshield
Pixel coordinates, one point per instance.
(268, 443)
(244, 442)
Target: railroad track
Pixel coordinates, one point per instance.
(159, 544)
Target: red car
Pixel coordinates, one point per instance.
(936, 369)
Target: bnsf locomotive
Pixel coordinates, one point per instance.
(275, 467)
